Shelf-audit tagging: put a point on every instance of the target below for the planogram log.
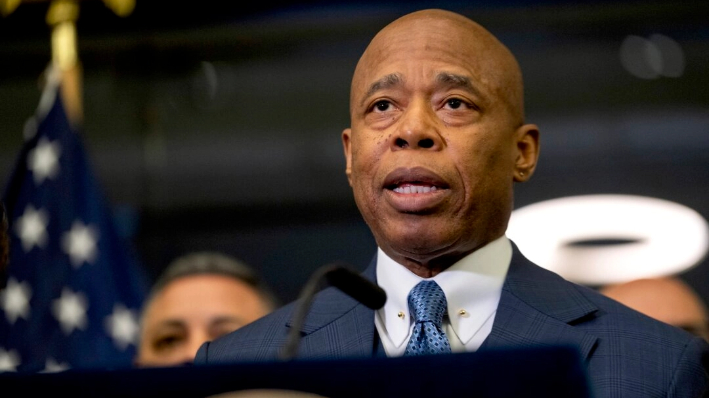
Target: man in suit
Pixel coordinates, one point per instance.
(437, 140)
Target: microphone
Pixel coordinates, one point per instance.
(341, 277)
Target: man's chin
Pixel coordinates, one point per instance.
(416, 246)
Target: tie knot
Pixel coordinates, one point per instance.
(427, 302)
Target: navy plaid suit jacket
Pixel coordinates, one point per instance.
(626, 353)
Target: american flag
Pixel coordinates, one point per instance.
(74, 284)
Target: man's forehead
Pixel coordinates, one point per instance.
(430, 54)
(433, 42)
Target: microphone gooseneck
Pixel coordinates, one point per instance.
(339, 276)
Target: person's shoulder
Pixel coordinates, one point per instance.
(260, 340)
(616, 319)
(606, 317)
(673, 359)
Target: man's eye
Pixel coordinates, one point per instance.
(382, 106)
(166, 342)
(454, 103)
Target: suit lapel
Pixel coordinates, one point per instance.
(338, 325)
(537, 307)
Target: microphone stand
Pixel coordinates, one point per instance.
(338, 276)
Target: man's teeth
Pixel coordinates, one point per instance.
(414, 189)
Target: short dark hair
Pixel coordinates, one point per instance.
(211, 263)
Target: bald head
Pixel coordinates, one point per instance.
(496, 71)
(669, 300)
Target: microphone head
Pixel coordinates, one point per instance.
(357, 287)
(348, 281)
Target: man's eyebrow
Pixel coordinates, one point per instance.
(381, 84)
(451, 79)
(170, 324)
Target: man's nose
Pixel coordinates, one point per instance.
(417, 130)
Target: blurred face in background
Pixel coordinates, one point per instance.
(667, 299)
(192, 310)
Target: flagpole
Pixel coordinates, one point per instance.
(61, 18)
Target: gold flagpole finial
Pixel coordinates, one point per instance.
(61, 17)
(8, 6)
(122, 8)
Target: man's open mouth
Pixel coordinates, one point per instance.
(417, 180)
(409, 188)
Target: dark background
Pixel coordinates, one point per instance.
(216, 126)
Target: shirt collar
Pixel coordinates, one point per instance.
(472, 284)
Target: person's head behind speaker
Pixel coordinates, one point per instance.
(198, 297)
(667, 299)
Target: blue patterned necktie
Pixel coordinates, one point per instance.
(427, 305)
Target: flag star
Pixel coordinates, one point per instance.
(15, 300)
(43, 160)
(70, 310)
(9, 360)
(80, 243)
(122, 325)
(52, 366)
(31, 228)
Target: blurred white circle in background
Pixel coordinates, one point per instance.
(601, 239)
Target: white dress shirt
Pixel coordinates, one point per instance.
(472, 287)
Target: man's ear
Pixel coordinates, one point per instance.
(527, 152)
(347, 146)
